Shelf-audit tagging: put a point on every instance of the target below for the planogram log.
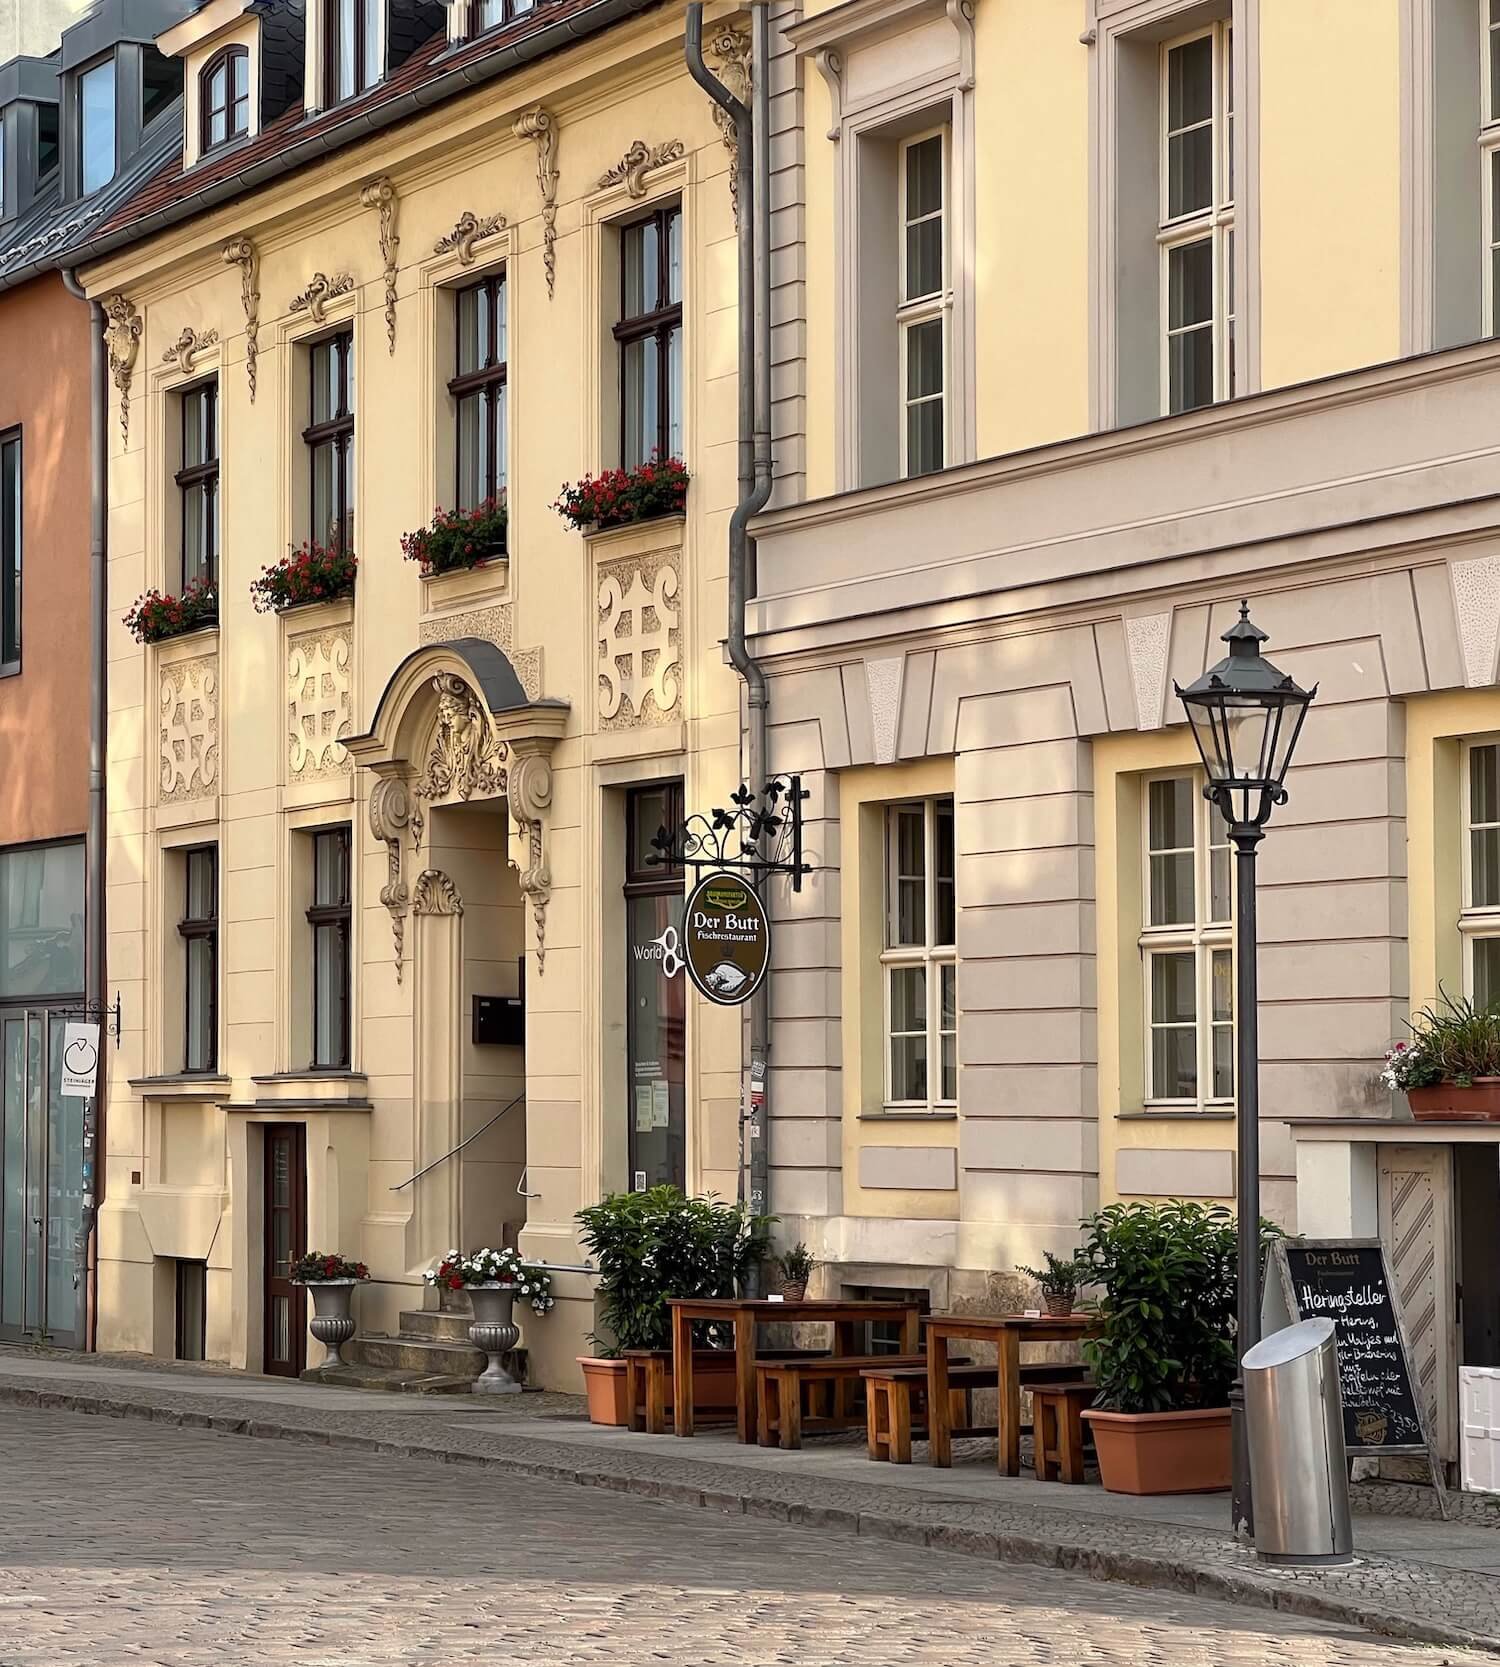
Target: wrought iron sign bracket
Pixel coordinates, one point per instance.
(759, 836)
(107, 1015)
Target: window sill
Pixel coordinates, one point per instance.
(181, 1085)
(333, 1073)
(901, 1116)
(1154, 1114)
(656, 532)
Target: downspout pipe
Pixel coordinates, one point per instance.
(755, 482)
(86, 1274)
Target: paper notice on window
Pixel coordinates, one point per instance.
(643, 1108)
(661, 1104)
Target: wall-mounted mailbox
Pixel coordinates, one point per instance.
(500, 1021)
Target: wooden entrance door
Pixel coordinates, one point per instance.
(285, 1352)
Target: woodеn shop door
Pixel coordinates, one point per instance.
(285, 1349)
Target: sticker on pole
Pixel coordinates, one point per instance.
(80, 1060)
(726, 939)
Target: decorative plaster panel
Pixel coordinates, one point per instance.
(639, 641)
(491, 625)
(1476, 601)
(1146, 640)
(883, 680)
(320, 703)
(188, 705)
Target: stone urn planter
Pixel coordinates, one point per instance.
(494, 1330)
(332, 1323)
(1451, 1102)
(1162, 1452)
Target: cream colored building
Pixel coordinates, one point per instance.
(1126, 310)
(481, 739)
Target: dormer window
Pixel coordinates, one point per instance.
(351, 47)
(224, 97)
(490, 14)
(96, 126)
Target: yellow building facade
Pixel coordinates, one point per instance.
(454, 776)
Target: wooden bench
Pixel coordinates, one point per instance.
(1057, 1429)
(780, 1385)
(892, 1392)
(648, 1386)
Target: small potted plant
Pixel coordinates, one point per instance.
(310, 572)
(156, 616)
(649, 1246)
(331, 1279)
(493, 1280)
(458, 539)
(620, 497)
(1166, 1354)
(1450, 1069)
(1059, 1283)
(795, 1266)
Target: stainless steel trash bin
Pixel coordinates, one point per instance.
(1295, 1424)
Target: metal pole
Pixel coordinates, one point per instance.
(1246, 837)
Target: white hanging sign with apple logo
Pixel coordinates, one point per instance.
(80, 1060)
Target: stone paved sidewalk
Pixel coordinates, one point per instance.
(1417, 1580)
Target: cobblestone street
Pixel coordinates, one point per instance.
(127, 1542)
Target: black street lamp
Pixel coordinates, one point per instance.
(1246, 717)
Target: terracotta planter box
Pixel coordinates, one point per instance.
(1162, 1452)
(713, 1385)
(1450, 1102)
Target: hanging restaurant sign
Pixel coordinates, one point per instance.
(726, 938)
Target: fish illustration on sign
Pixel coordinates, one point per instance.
(726, 978)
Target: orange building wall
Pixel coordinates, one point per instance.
(44, 710)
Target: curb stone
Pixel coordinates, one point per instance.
(1258, 1589)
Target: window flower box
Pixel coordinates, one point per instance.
(308, 573)
(458, 540)
(158, 616)
(1450, 1069)
(622, 497)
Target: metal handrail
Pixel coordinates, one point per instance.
(459, 1148)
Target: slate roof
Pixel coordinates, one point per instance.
(52, 233)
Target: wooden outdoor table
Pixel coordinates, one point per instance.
(747, 1315)
(1007, 1332)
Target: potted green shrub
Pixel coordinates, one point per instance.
(795, 1267)
(331, 1279)
(649, 1246)
(1165, 1356)
(1059, 1283)
(1450, 1069)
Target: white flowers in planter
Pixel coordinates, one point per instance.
(460, 1269)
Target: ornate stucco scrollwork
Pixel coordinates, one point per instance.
(632, 168)
(390, 816)
(435, 894)
(320, 291)
(730, 50)
(122, 339)
(320, 703)
(187, 347)
(465, 757)
(530, 797)
(468, 230)
(640, 653)
(380, 194)
(241, 252)
(188, 705)
(540, 126)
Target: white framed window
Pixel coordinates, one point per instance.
(919, 962)
(1489, 158)
(1480, 920)
(924, 302)
(1195, 230)
(1187, 946)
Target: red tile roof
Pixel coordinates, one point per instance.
(173, 183)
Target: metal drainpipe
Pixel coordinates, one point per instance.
(755, 480)
(85, 1262)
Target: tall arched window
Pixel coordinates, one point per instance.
(224, 96)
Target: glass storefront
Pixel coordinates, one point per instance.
(656, 1028)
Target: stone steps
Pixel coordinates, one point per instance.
(430, 1354)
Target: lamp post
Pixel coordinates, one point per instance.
(1246, 717)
